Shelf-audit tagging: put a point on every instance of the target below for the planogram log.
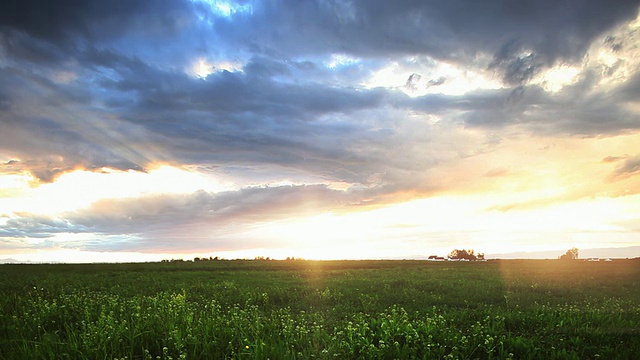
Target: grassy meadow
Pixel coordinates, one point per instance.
(520, 309)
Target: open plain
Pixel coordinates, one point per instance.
(237, 309)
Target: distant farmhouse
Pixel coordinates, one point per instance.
(436, 258)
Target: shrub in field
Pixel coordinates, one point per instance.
(571, 254)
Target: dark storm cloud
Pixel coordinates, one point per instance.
(454, 30)
(553, 28)
(41, 31)
(579, 109)
(583, 108)
(49, 127)
(57, 34)
(63, 21)
(247, 117)
(517, 67)
(253, 91)
(227, 117)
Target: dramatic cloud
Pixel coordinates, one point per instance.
(305, 108)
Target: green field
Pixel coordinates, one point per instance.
(521, 309)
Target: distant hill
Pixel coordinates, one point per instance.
(11, 261)
(618, 253)
(14, 261)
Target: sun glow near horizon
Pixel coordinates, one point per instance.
(439, 224)
(81, 188)
(516, 213)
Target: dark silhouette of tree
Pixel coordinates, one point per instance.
(458, 254)
(571, 254)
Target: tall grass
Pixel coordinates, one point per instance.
(323, 310)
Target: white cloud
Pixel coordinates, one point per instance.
(616, 54)
(422, 76)
(202, 67)
(226, 8)
(556, 78)
(339, 60)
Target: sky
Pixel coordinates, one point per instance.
(147, 130)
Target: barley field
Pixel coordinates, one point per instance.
(236, 309)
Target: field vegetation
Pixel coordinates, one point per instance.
(520, 309)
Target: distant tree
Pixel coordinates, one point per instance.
(571, 254)
(458, 254)
(480, 256)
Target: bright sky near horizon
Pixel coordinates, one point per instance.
(147, 130)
